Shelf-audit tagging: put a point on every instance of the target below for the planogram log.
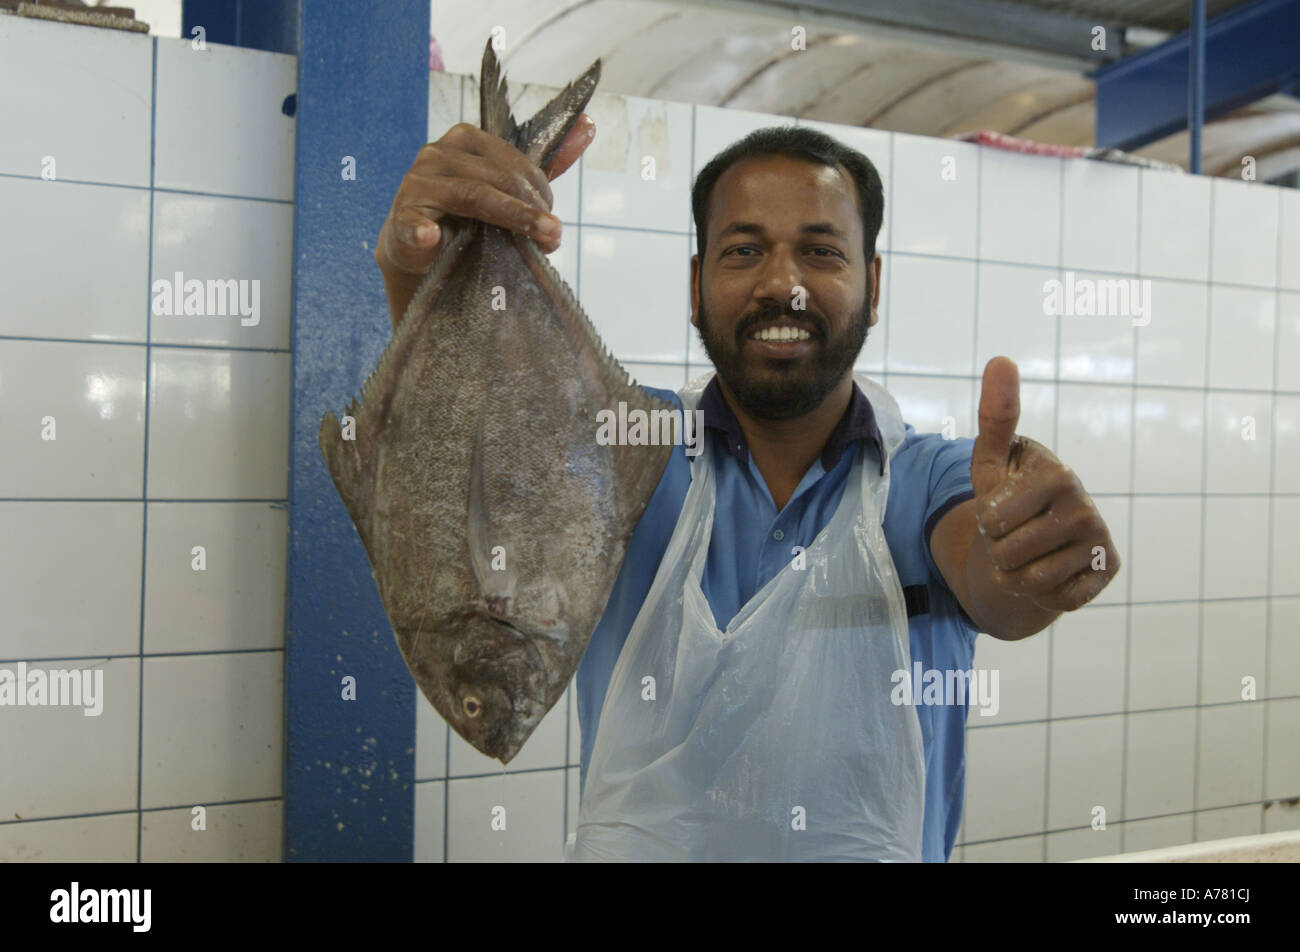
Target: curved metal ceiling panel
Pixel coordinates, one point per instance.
(741, 57)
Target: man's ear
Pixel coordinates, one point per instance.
(874, 273)
(695, 288)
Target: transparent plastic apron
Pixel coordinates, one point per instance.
(775, 739)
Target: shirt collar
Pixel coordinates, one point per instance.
(858, 423)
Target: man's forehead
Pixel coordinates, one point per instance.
(819, 190)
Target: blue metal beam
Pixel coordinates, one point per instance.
(258, 24)
(363, 91)
(1250, 52)
(1196, 87)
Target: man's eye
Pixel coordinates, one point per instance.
(829, 251)
(739, 249)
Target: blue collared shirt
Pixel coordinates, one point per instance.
(751, 543)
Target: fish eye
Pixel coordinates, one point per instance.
(472, 706)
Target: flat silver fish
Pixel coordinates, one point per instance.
(495, 522)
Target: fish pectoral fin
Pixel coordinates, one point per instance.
(343, 460)
(492, 564)
(556, 602)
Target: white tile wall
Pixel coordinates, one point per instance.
(108, 838)
(88, 300)
(1157, 834)
(1020, 208)
(1084, 771)
(64, 578)
(1016, 849)
(87, 119)
(1142, 688)
(226, 239)
(506, 817)
(1011, 322)
(1101, 208)
(941, 295)
(76, 419)
(243, 93)
(1134, 702)
(98, 572)
(226, 833)
(1087, 650)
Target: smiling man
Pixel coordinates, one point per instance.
(736, 700)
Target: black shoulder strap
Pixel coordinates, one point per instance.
(917, 598)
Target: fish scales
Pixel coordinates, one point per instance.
(494, 522)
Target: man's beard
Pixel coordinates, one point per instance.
(784, 389)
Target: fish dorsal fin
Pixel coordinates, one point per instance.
(494, 100)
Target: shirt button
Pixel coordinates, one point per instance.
(778, 535)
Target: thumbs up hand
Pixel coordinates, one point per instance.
(1045, 538)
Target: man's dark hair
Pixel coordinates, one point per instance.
(797, 143)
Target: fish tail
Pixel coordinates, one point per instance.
(494, 101)
(540, 136)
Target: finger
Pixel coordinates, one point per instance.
(494, 152)
(1042, 577)
(574, 144)
(475, 168)
(1039, 536)
(411, 239)
(1026, 493)
(476, 199)
(1076, 592)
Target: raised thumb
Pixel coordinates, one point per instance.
(999, 414)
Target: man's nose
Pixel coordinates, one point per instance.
(779, 276)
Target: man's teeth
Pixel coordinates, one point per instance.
(782, 333)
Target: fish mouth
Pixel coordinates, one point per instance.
(507, 753)
(529, 702)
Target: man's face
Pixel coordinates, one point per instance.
(777, 225)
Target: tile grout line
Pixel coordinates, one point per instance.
(151, 188)
(130, 812)
(148, 656)
(1205, 465)
(1158, 816)
(1052, 630)
(144, 476)
(54, 499)
(972, 421)
(1272, 511)
(1126, 701)
(25, 338)
(1115, 713)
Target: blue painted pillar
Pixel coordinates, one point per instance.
(363, 86)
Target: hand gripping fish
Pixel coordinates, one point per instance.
(494, 521)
